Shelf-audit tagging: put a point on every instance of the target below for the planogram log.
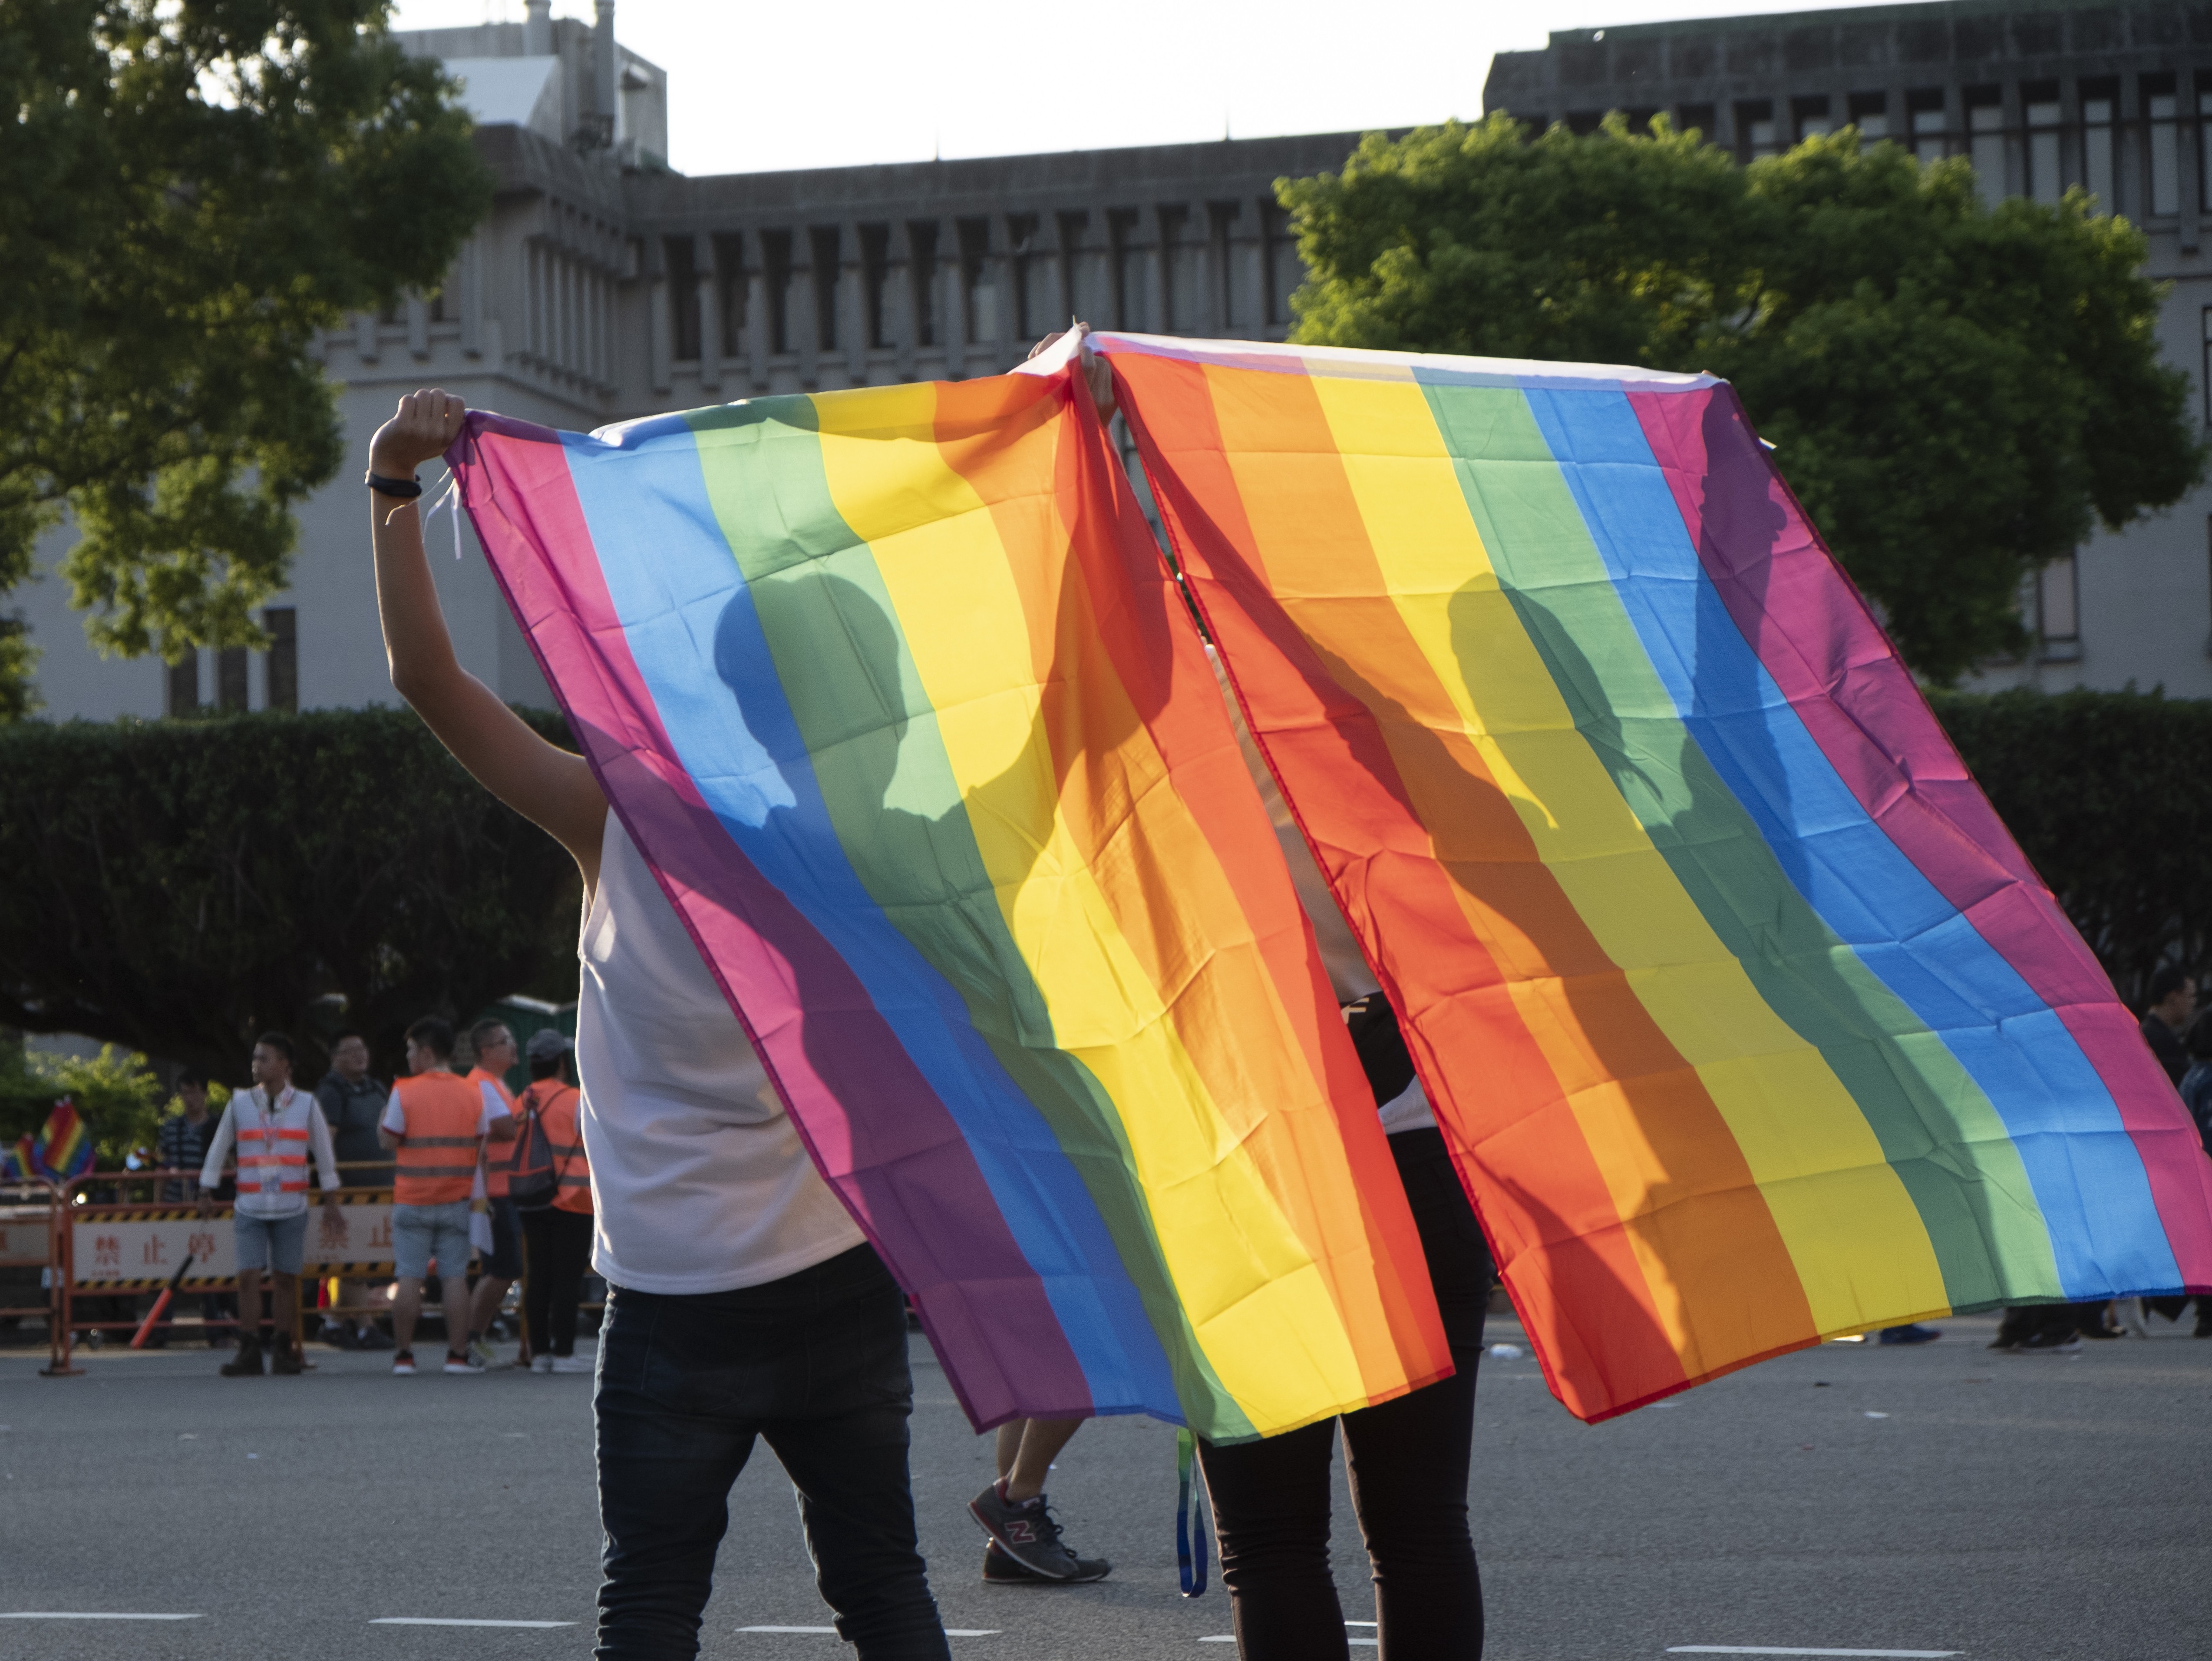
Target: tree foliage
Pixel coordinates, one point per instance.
(192, 190)
(1957, 392)
(114, 1092)
(2108, 794)
(179, 886)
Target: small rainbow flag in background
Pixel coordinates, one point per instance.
(61, 1149)
(1746, 1019)
(892, 690)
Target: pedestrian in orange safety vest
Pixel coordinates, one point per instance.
(557, 1219)
(493, 1046)
(274, 1129)
(437, 1122)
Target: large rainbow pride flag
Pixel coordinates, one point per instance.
(1746, 1020)
(893, 691)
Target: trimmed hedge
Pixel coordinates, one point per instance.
(2109, 794)
(176, 887)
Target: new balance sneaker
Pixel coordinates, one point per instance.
(463, 1362)
(1025, 1529)
(1000, 1570)
(403, 1363)
(541, 1364)
(570, 1363)
(480, 1347)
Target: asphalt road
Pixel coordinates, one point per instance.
(1938, 1499)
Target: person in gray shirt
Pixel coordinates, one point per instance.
(352, 1103)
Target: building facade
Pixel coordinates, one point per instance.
(603, 286)
(2040, 96)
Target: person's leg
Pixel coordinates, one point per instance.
(1027, 1454)
(249, 1306)
(448, 1227)
(665, 1463)
(569, 1248)
(1408, 1458)
(846, 1452)
(406, 1311)
(410, 1266)
(283, 1312)
(538, 1282)
(1270, 1503)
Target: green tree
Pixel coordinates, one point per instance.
(1957, 392)
(176, 887)
(191, 189)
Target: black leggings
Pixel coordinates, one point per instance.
(557, 1248)
(1407, 1459)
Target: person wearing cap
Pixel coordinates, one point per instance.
(556, 1237)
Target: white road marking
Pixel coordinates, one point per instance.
(442, 1620)
(84, 1614)
(949, 1631)
(1761, 1649)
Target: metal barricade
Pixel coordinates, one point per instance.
(26, 1241)
(123, 1246)
(120, 1247)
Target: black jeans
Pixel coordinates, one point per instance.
(815, 1364)
(557, 1250)
(1409, 1463)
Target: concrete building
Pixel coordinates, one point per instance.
(2041, 96)
(604, 286)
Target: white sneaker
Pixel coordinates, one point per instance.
(541, 1364)
(569, 1364)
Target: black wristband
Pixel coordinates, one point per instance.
(405, 488)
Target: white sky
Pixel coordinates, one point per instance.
(794, 85)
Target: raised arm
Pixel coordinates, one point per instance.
(545, 784)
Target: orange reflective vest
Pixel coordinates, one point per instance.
(497, 1155)
(272, 1143)
(438, 1149)
(555, 1105)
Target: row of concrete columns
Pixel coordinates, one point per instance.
(955, 288)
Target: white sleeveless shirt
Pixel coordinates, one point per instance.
(699, 1181)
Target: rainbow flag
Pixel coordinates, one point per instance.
(62, 1148)
(1746, 1020)
(892, 690)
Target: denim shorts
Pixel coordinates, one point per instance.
(276, 1244)
(421, 1232)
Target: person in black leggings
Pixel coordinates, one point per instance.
(1408, 1458)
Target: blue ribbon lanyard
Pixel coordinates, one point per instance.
(1190, 1507)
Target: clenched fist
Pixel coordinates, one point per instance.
(424, 425)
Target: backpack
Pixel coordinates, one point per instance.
(533, 1180)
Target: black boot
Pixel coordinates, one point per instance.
(247, 1364)
(285, 1360)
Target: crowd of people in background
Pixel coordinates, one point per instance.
(479, 1177)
